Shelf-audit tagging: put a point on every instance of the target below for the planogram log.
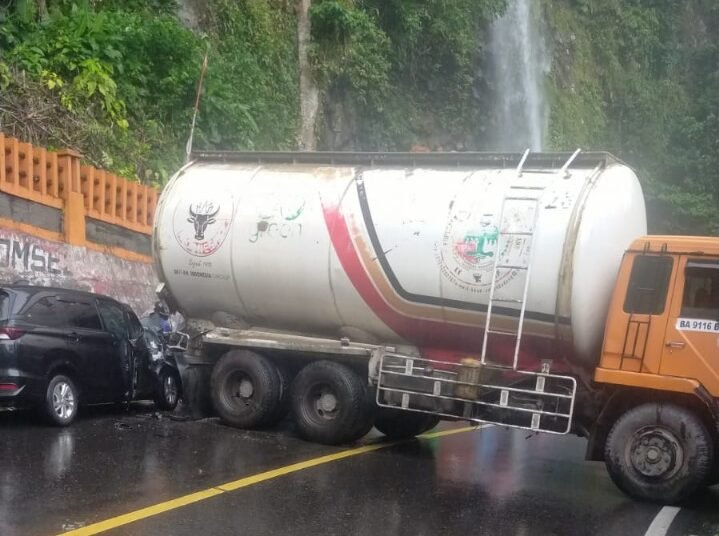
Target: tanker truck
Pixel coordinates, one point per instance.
(397, 289)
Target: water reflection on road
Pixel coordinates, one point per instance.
(493, 481)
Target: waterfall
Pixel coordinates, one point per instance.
(519, 61)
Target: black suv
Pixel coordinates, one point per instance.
(60, 347)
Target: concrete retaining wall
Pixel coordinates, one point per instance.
(73, 226)
(44, 262)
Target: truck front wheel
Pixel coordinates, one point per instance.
(247, 390)
(659, 452)
(331, 404)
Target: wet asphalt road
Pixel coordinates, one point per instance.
(492, 481)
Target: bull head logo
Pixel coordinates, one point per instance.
(201, 215)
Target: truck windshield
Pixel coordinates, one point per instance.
(701, 291)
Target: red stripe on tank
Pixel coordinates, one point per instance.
(436, 337)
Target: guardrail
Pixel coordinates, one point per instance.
(57, 179)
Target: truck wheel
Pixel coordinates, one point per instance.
(659, 453)
(398, 424)
(330, 403)
(283, 406)
(61, 401)
(246, 389)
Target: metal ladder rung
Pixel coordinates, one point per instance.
(501, 332)
(519, 233)
(534, 214)
(523, 198)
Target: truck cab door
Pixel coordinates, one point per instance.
(639, 314)
(691, 342)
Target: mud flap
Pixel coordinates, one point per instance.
(195, 402)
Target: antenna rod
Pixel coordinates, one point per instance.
(188, 147)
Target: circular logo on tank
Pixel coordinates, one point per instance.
(201, 224)
(470, 247)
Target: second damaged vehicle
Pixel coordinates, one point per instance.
(61, 348)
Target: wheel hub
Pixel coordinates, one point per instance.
(326, 404)
(656, 453)
(246, 389)
(170, 389)
(63, 400)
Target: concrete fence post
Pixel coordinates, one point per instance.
(74, 211)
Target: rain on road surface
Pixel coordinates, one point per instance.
(491, 481)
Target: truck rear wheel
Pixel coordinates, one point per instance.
(659, 453)
(397, 424)
(331, 403)
(247, 390)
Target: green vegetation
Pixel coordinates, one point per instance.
(640, 78)
(116, 80)
(401, 71)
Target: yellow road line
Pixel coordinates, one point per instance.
(179, 502)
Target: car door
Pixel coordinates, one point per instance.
(691, 344)
(115, 325)
(45, 342)
(141, 360)
(96, 348)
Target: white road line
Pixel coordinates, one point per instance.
(660, 525)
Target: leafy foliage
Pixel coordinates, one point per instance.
(403, 71)
(640, 78)
(116, 80)
(130, 70)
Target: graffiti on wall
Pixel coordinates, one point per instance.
(25, 256)
(28, 259)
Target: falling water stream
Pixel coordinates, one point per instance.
(519, 62)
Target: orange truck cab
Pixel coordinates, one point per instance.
(656, 426)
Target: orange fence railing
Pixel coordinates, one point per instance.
(50, 177)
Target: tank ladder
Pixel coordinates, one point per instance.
(493, 390)
(520, 199)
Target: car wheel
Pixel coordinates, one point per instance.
(246, 390)
(659, 452)
(330, 403)
(168, 393)
(397, 424)
(61, 401)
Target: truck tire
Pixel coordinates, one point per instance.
(330, 403)
(283, 406)
(659, 453)
(398, 424)
(246, 389)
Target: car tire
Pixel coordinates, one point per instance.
(397, 424)
(246, 390)
(659, 453)
(61, 401)
(330, 403)
(168, 392)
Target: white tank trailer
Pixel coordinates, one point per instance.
(396, 261)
